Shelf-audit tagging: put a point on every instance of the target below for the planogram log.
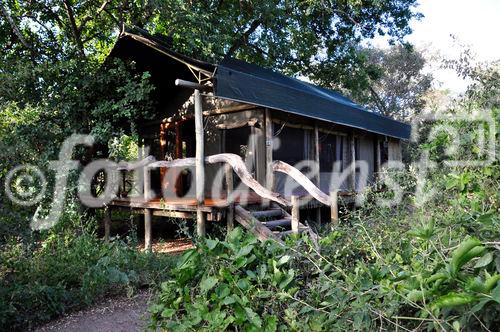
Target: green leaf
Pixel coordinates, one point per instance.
(480, 305)
(467, 250)
(283, 260)
(167, 313)
(495, 294)
(243, 284)
(289, 277)
(245, 250)
(270, 324)
(211, 244)
(222, 291)
(208, 283)
(253, 317)
(453, 300)
(484, 260)
(229, 300)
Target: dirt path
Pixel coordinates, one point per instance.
(114, 315)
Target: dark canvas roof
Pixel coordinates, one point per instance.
(241, 81)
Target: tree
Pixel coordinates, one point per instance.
(393, 81)
(287, 35)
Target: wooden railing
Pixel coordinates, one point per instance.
(237, 164)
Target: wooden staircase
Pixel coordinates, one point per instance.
(271, 223)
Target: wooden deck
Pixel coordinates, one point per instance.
(182, 207)
(187, 205)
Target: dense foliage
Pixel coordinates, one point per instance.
(430, 267)
(69, 270)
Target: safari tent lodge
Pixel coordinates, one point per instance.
(236, 142)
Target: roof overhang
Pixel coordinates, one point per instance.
(243, 82)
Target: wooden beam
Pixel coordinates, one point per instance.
(248, 221)
(316, 153)
(230, 109)
(352, 156)
(173, 214)
(147, 212)
(295, 214)
(229, 188)
(163, 150)
(147, 230)
(334, 208)
(158, 205)
(378, 156)
(316, 159)
(269, 150)
(200, 163)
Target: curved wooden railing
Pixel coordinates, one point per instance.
(239, 167)
(308, 185)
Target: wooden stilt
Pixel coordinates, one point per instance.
(334, 207)
(200, 163)
(147, 230)
(147, 212)
(229, 187)
(107, 223)
(269, 152)
(316, 160)
(378, 157)
(352, 155)
(295, 214)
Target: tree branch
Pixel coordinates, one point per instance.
(14, 27)
(244, 37)
(74, 28)
(378, 101)
(87, 18)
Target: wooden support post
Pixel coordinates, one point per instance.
(269, 150)
(163, 151)
(147, 229)
(107, 223)
(378, 157)
(352, 154)
(229, 187)
(295, 214)
(334, 207)
(200, 163)
(316, 160)
(147, 212)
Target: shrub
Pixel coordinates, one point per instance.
(435, 266)
(67, 273)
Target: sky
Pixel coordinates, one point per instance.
(473, 23)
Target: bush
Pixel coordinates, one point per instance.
(67, 273)
(435, 266)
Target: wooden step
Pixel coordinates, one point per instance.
(267, 213)
(280, 223)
